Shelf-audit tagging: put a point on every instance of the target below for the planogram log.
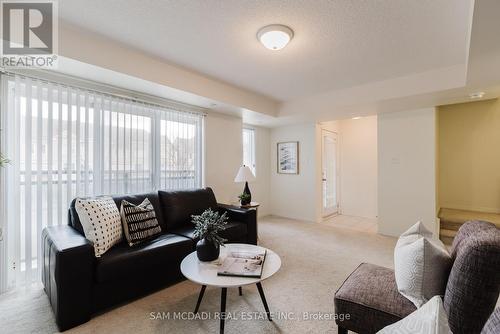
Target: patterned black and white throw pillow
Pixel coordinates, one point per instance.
(139, 221)
(101, 222)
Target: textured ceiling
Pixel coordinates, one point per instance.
(337, 44)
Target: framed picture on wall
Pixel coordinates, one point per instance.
(288, 157)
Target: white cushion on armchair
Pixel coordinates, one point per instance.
(429, 319)
(421, 265)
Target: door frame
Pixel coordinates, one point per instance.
(337, 174)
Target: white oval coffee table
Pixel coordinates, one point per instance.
(205, 273)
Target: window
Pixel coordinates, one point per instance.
(249, 148)
(65, 142)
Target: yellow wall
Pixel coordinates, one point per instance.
(469, 156)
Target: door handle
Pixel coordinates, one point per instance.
(324, 180)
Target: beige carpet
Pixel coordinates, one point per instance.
(316, 258)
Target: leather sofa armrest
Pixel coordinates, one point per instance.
(67, 273)
(247, 216)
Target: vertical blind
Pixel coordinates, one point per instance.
(66, 142)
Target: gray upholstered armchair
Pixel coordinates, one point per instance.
(371, 298)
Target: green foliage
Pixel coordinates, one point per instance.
(3, 160)
(244, 197)
(208, 225)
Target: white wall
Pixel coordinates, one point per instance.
(294, 196)
(406, 170)
(358, 167)
(224, 155)
(299, 196)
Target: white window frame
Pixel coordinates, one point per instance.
(250, 162)
(156, 109)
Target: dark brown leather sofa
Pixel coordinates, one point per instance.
(371, 299)
(78, 284)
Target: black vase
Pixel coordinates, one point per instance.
(207, 251)
(248, 198)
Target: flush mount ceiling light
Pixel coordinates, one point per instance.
(477, 95)
(275, 36)
(357, 117)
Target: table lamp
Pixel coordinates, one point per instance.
(245, 175)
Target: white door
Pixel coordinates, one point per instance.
(329, 172)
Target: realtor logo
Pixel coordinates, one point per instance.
(29, 33)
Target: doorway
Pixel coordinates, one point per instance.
(329, 173)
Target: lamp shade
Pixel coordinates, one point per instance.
(244, 175)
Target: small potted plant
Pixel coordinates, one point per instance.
(245, 198)
(207, 228)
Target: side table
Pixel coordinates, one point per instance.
(253, 206)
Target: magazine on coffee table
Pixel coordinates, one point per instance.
(242, 263)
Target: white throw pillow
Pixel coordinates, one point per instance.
(101, 222)
(429, 319)
(421, 265)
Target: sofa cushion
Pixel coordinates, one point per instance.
(101, 222)
(235, 231)
(74, 221)
(178, 206)
(138, 199)
(371, 299)
(144, 259)
(139, 222)
(474, 282)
